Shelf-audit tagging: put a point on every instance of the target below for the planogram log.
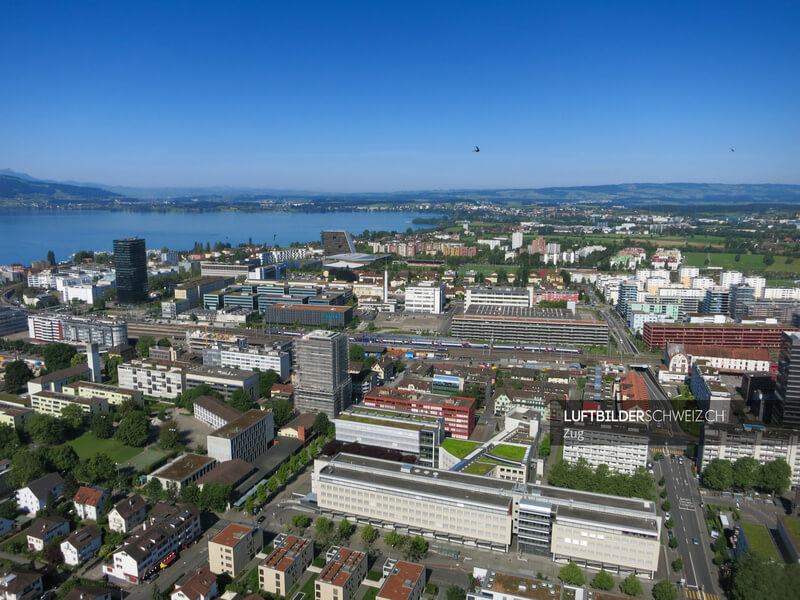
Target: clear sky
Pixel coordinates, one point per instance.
(381, 96)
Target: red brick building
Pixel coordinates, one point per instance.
(733, 335)
(458, 412)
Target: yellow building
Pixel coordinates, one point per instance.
(232, 548)
(340, 578)
(16, 416)
(51, 403)
(282, 569)
(115, 395)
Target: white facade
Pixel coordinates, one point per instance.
(152, 379)
(516, 240)
(702, 283)
(426, 297)
(63, 327)
(247, 438)
(82, 293)
(757, 283)
(730, 278)
(499, 297)
(76, 550)
(622, 450)
(772, 293)
(249, 360)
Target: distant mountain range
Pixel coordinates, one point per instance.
(22, 190)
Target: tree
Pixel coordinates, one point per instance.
(356, 353)
(134, 429)
(323, 528)
(18, 374)
(544, 446)
(603, 581)
(455, 593)
(768, 258)
(266, 380)
(100, 468)
(9, 441)
(26, 466)
(51, 258)
(58, 356)
(72, 415)
(169, 438)
(746, 472)
(46, 429)
(282, 410)
(77, 359)
(393, 538)
(250, 505)
(345, 530)
(99, 304)
(321, 423)
(673, 542)
(776, 475)
(164, 343)
(718, 474)
(112, 364)
(190, 493)
(301, 521)
(215, 496)
(262, 493)
(664, 590)
(143, 345)
(9, 509)
(71, 485)
(62, 457)
(53, 555)
(677, 564)
(241, 400)
(102, 426)
(571, 574)
(369, 534)
(416, 547)
(631, 586)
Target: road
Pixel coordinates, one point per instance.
(689, 523)
(617, 330)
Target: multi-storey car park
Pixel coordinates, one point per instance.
(596, 531)
(534, 326)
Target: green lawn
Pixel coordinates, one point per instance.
(510, 452)
(478, 468)
(792, 525)
(371, 594)
(459, 448)
(761, 541)
(747, 262)
(140, 462)
(308, 587)
(88, 445)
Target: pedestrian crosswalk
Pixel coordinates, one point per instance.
(698, 595)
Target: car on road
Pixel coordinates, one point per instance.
(260, 519)
(737, 505)
(695, 541)
(671, 534)
(666, 515)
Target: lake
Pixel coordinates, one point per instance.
(27, 235)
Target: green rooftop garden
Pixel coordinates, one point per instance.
(478, 468)
(507, 451)
(761, 541)
(459, 448)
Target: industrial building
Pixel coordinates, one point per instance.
(529, 326)
(426, 297)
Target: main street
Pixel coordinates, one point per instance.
(689, 524)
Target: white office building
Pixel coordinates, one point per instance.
(58, 327)
(152, 378)
(426, 297)
(249, 360)
(498, 297)
(623, 449)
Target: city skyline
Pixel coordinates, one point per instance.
(368, 98)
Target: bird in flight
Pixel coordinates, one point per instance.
(477, 149)
(733, 149)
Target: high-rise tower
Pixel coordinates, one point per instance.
(130, 266)
(321, 379)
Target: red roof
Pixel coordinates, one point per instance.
(735, 353)
(633, 392)
(232, 535)
(401, 581)
(88, 496)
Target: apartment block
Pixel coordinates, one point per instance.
(224, 381)
(341, 576)
(52, 403)
(730, 335)
(426, 297)
(232, 548)
(249, 360)
(153, 378)
(44, 529)
(284, 566)
(402, 581)
(13, 415)
(623, 449)
(246, 437)
(57, 327)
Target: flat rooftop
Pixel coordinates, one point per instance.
(183, 467)
(67, 397)
(514, 585)
(520, 313)
(237, 426)
(414, 396)
(221, 373)
(312, 308)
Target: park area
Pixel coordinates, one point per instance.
(761, 542)
(88, 444)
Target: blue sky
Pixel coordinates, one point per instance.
(380, 96)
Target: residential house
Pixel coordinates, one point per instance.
(127, 514)
(33, 497)
(402, 581)
(82, 545)
(45, 529)
(89, 502)
(17, 583)
(202, 585)
(233, 547)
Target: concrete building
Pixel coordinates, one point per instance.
(249, 360)
(114, 395)
(308, 315)
(732, 442)
(337, 242)
(787, 391)
(497, 297)
(44, 529)
(408, 433)
(458, 413)
(89, 502)
(321, 379)
(81, 545)
(709, 393)
(172, 526)
(52, 403)
(61, 327)
(226, 270)
(153, 378)
(623, 449)
(14, 416)
(214, 412)
(287, 562)
(183, 471)
(33, 497)
(340, 577)
(621, 534)
(545, 328)
(402, 580)
(247, 437)
(12, 320)
(232, 548)
(224, 381)
(130, 268)
(426, 297)
(127, 514)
